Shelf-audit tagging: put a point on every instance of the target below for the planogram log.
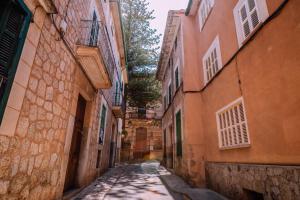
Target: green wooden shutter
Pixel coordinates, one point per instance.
(178, 134)
(177, 78)
(170, 94)
(14, 23)
(102, 124)
(117, 94)
(11, 21)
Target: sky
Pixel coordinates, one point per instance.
(161, 8)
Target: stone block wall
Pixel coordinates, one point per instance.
(246, 181)
(37, 129)
(154, 138)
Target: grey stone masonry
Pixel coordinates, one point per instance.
(244, 181)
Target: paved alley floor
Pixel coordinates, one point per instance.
(134, 182)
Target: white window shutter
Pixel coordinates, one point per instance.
(248, 14)
(262, 9)
(232, 125)
(212, 60)
(204, 10)
(239, 29)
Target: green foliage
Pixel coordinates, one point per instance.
(142, 52)
(143, 90)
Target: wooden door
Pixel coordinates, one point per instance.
(72, 169)
(165, 146)
(178, 134)
(141, 147)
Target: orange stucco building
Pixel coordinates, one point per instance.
(62, 71)
(230, 75)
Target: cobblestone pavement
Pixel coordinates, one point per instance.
(134, 182)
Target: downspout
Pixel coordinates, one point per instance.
(188, 9)
(126, 65)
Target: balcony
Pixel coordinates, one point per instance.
(142, 113)
(118, 105)
(95, 54)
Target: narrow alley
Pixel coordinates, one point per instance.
(149, 100)
(135, 182)
(144, 181)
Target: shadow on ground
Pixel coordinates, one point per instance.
(134, 182)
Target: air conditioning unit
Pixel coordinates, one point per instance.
(48, 6)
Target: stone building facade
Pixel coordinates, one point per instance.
(142, 139)
(60, 107)
(231, 109)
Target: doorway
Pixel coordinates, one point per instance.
(73, 163)
(112, 147)
(171, 148)
(141, 147)
(165, 147)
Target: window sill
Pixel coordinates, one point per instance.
(241, 146)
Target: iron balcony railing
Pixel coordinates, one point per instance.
(94, 34)
(118, 101)
(141, 115)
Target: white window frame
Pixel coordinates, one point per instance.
(262, 11)
(234, 142)
(205, 6)
(215, 45)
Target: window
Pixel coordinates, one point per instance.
(170, 93)
(178, 134)
(14, 23)
(94, 36)
(212, 61)
(112, 29)
(232, 125)
(165, 102)
(248, 14)
(177, 77)
(204, 10)
(102, 124)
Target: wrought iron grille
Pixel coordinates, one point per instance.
(93, 33)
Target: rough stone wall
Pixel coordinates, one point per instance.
(154, 138)
(273, 182)
(31, 163)
(33, 160)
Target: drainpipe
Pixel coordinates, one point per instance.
(188, 9)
